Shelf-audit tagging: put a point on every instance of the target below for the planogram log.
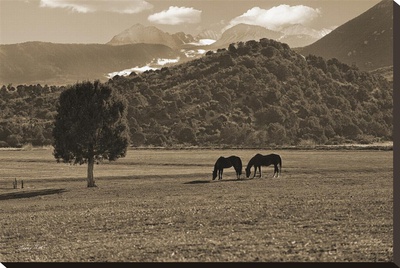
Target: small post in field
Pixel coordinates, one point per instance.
(22, 184)
(15, 183)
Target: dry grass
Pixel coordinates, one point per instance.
(326, 206)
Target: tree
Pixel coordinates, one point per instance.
(276, 133)
(90, 126)
(188, 135)
(232, 48)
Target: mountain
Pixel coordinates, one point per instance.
(298, 40)
(245, 32)
(208, 34)
(294, 35)
(298, 29)
(255, 94)
(298, 35)
(139, 33)
(195, 47)
(366, 40)
(57, 64)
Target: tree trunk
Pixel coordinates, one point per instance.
(90, 178)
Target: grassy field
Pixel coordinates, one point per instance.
(326, 206)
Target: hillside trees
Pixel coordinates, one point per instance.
(26, 114)
(276, 91)
(241, 96)
(90, 126)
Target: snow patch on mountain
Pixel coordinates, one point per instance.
(155, 64)
(192, 53)
(203, 42)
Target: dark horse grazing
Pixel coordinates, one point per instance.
(264, 160)
(227, 162)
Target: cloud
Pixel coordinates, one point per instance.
(276, 17)
(176, 15)
(87, 6)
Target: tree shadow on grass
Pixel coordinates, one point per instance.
(30, 193)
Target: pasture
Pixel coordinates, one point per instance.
(334, 205)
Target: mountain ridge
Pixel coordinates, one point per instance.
(253, 94)
(366, 40)
(139, 33)
(53, 63)
(244, 32)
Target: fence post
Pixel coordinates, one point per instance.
(15, 183)
(22, 184)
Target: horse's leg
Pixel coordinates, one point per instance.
(277, 171)
(222, 171)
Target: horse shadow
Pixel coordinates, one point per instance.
(216, 181)
(197, 182)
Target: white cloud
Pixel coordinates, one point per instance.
(176, 15)
(276, 17)
(86, 6)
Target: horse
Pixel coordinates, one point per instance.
(227, 162)
(264, 160)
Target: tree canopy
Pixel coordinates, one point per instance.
(90, 125)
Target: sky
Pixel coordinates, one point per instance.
(98, 21)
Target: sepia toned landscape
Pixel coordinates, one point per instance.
(114, 116)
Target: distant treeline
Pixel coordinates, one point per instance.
(250, 94)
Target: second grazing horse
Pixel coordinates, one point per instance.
(264, 160)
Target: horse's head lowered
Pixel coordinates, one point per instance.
(214, 174)
(247, 171)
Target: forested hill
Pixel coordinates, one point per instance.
(251, 94)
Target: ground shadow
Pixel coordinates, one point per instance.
(197, 182)
(214, 181)
(31, 193)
